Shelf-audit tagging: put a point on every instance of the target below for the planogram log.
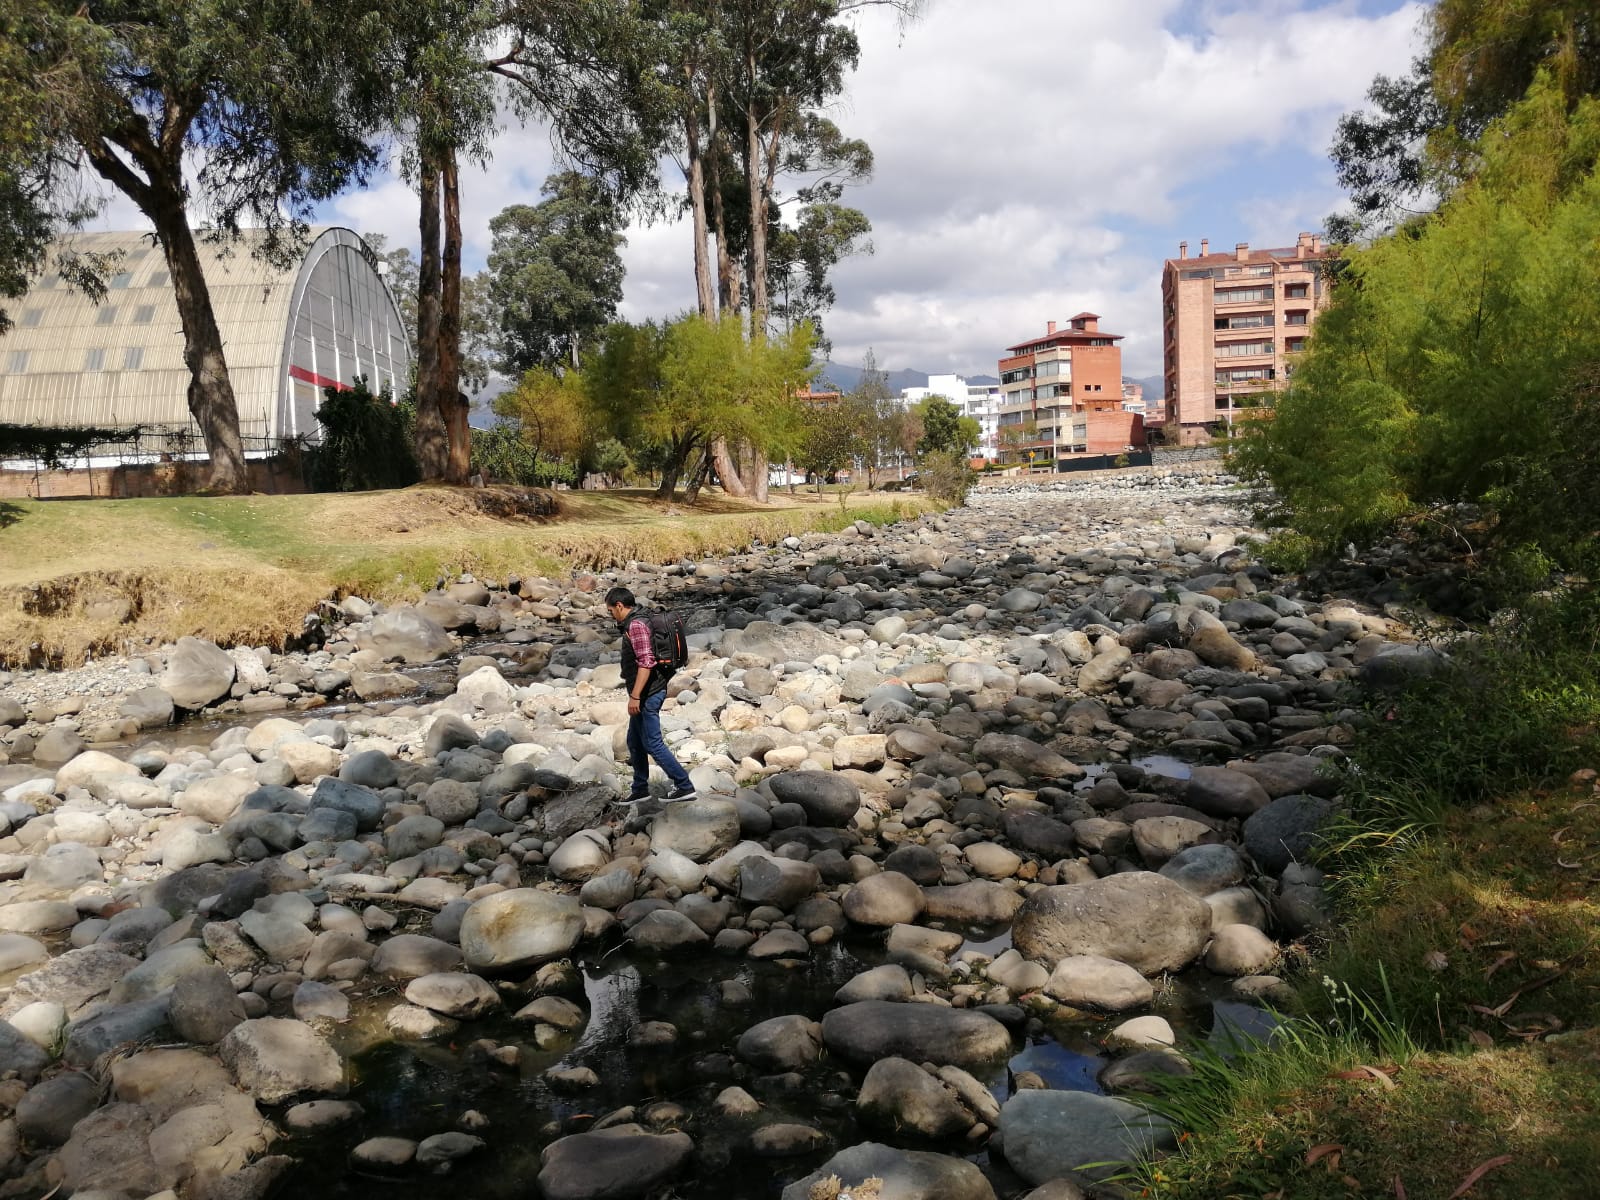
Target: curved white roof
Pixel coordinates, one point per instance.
(286, 333)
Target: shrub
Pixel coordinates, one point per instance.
(945, 476)
(366, 442)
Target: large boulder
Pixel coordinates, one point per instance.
(1050, 1134)
(827, 799)
(898, 1094)
(1224, 792)
(611, 1164)
(906, 1174)
(1140, 918)
(1026, 757)
(872, 1029)
(1286, 830)
(518, 928)
(888, 898)
(698, 829)
(408, 635)
(799, 642)
(787, 1043)
(197, 673)
(274, 1058)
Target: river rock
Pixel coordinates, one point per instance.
(148, 707)
(781, 882)
(906, 1174)
(615, 1163)
(454, 994)
(365, 805)
(109, 1151)
(410, 955)
(1286, 830)
(872, 1029)
(1139, 918)
(885, 899)
(406, 634)
(697, 829)
(1224, 792)
(197, 673)
(980, 902)
(518, 928)
(787, 1043)
(827, 799)
(1052, 1134)
(274, 1058)
(1241, 950)
(1027, 758)
(204, 1007)
(49, 1110)
(898, 1094)
(1090, 981)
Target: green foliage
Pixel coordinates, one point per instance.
(945, 476)
(53, 445)
(502, 454)
(831, 438)
(944, 429)
(365, 442)
(555, 274)
(611, 460)
(1451, 364)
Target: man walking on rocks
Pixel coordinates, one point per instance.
(647, 688)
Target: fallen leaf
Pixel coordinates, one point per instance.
(1434, 960)
(1328, 1150)
(1477, 1173)
(1399, 1189)
(1501, 959)
(1351, 1182)
(1480, 1039)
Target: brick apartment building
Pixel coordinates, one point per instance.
(1067, 384)
(1232, 325)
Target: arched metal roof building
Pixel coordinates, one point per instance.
(287, 334)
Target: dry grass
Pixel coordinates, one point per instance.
(246, 569)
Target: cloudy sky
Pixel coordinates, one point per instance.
(1035, 158)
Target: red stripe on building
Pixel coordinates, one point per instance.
(321, 381)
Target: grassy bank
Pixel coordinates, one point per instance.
(245, 569)
(1458, 1054)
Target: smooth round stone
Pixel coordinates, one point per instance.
(383, 1153)
(872, 1029)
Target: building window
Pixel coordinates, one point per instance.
(1294, 291)
(17, 362)
(1250, 295)
(1195, 274)
(1248, 321)
(158, 279)
(106, 315)
(1295, 318)
(94, 360)
(1244, 375)
(133, 358)
(1240, 349)
(31, 317)
(1294, 345)
(121, 279)
(144, 314)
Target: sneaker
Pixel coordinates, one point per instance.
(635, 796)
(684, 792)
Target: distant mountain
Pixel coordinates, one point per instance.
(845, 378)
(1154, 386)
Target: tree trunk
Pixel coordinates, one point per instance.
(211, 399)
(758, 223)
(756, 469)
(673, 467)
(728, 470)
(697, 204)
(698, 479)
(453, 405)
(727, 274)
(431, 438)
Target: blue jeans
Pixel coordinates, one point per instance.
(645, 742)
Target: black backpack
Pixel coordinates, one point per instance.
(667, 641)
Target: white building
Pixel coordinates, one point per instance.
(980, 401)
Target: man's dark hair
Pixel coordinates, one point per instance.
(620, 595)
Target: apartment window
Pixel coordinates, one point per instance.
(106, 315)
(121, 279)
(1294, 345)
(1017, 375)
(17, 362)
(95, 360)
(1248, 321)
(1251, 295)
(1099, 341)
(1240, 349)
(144, 314)
(1295, 291)
(1196, 274)
(133, 358)
(158, 279)
(31, 317)
(1299, 317)
(1244, 375)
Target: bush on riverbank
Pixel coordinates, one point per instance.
(1465, 872)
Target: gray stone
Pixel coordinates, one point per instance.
(274, 1058)
(314, 1001)
(1026, 757)
(788, 1043)
(1090, 981)
(454, 994)
(383, 1153)
(447, 1147)
(906, 1174)
(148, 707)
(611, 1164)
(872, 1029)
(405, 633)
(901, 1096)
(1205, 869)
(888, 982)
(518, 928)
(411, 955)
(1286, 830)
(57, 746)
(369, 769)
(112, 1026)
(49, 1110)
(827, 799)
(665, 930)
(1051, 1134)
(781, 882)
(197, 673)
(64, 866)
(1151, 923)
(981, 902)
(73, 980)
(698, 829)
(19, 1054)
(1223, 792)
(110, 1150)
(1240, 950)
(362, 803)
